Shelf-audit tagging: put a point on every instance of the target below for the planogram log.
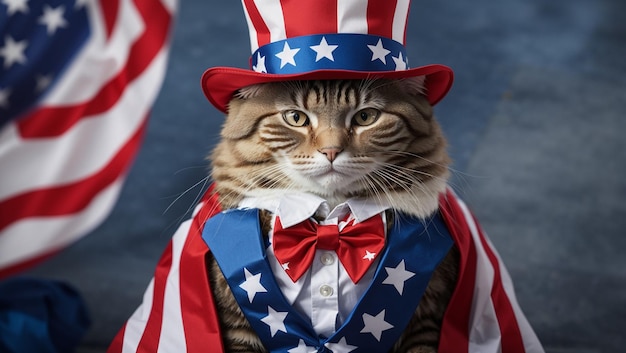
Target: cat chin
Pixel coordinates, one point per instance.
(421, 201)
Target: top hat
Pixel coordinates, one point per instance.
(324, 40)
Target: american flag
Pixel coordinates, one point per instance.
(178, 309)
(77, 81)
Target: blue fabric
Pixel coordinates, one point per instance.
(40, 316)
(352, 52)
(46, 53)
(235, 240)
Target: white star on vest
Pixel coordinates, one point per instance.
(252, 285)
(13, 52)
(340, 347)
(53, 18)
(379, 52)
(324, 50)
(397, 276)
(287, 55)
(400, 64)
(375, 324)
(275, 320)
(302, 348)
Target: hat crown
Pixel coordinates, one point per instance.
(324, 40)
(275, 20)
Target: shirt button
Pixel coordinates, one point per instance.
(327, 259)
(326, 290)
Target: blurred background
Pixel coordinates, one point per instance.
(535, 122)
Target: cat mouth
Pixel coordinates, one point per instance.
(331, 178)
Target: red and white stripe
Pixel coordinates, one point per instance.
(273, 20)
(483, 315)
(63, 164)
(178, 312)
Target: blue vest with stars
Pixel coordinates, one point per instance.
(414, 247)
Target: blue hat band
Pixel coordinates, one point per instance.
(341, 51)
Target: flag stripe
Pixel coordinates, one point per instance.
(92, 143)
(41, 123)
(11, 270)
(61, 183)
(109, 11)
(101, 58)
(320, 17)
(70, 198)
(30, 238)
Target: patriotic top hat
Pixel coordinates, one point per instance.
(323, 40)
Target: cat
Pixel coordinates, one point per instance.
(338, 139)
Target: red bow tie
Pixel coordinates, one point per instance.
(356, 245)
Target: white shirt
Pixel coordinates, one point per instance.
(325, 293)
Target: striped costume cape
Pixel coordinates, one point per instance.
(178, 309)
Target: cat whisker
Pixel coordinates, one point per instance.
(202, 181)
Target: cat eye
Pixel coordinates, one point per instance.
(365, 117)
(295, 118)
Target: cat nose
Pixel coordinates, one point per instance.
(330, 152)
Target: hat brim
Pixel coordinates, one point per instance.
(220, 83)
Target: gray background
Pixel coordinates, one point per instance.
(535, 123)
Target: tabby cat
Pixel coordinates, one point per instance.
(337, 139)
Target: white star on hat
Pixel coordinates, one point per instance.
(340, 347)
(53, 18)
(287, 55)
(13, 52)
(400, 64)
(260, 64)
(252, 285)
(324, 50)
(397, 276)
(375, 324)
(275, 320)
(379, 52)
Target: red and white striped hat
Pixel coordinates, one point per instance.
(322, 40)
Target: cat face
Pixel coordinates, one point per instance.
(337, 139)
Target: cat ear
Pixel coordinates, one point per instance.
(243, 112)
(415, 85)
(248, 91)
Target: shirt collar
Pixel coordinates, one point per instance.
(297, 207)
